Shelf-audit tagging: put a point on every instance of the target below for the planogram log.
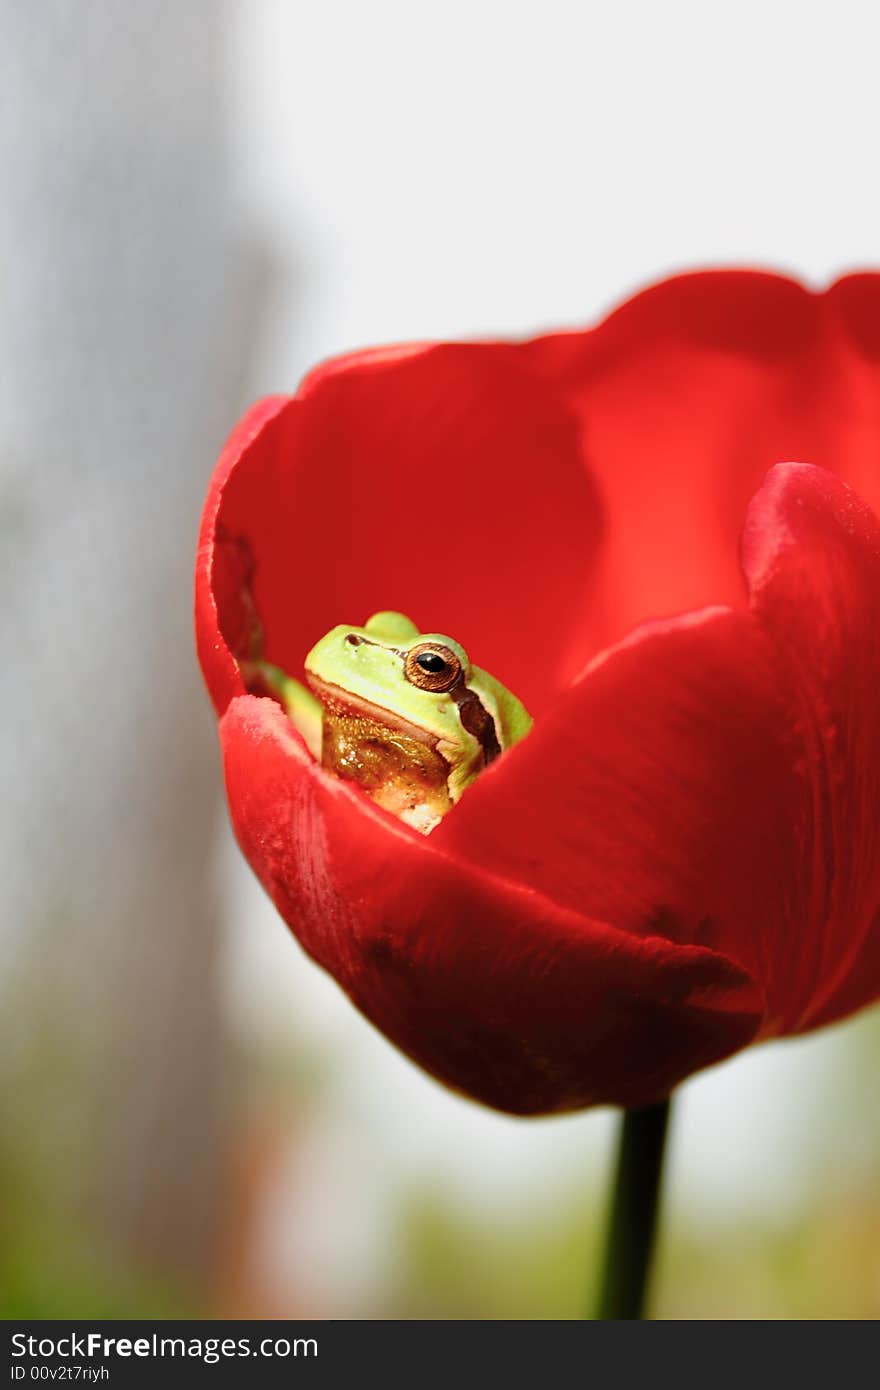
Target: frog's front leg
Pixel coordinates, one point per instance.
(305, 713)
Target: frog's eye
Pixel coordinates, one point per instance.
(432, 667)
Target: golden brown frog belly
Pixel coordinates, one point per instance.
(396, 763)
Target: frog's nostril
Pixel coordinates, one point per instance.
(353, 639)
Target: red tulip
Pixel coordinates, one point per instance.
(682, 857)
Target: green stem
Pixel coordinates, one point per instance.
(633, 1219)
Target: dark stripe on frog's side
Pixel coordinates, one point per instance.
(475, 718)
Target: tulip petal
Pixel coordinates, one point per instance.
(688, 394)
(501, 993)
(716, 778)
(224, 619)
(811, 553)
(660, 795)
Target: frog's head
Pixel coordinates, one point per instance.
(416, 678)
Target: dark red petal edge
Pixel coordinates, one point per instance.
(218, 662)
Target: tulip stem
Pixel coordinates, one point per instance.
(632, 1221)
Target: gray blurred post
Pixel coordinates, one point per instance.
(122, 322)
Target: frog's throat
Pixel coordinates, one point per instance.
(475, 718)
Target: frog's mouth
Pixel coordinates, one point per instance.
(342, 702)
(474, 715)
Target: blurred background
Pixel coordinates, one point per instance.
(198, 201)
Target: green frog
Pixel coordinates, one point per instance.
(400, 712)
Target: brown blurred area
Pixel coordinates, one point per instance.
(184, 1130)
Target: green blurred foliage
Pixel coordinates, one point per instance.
(823, 1263)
